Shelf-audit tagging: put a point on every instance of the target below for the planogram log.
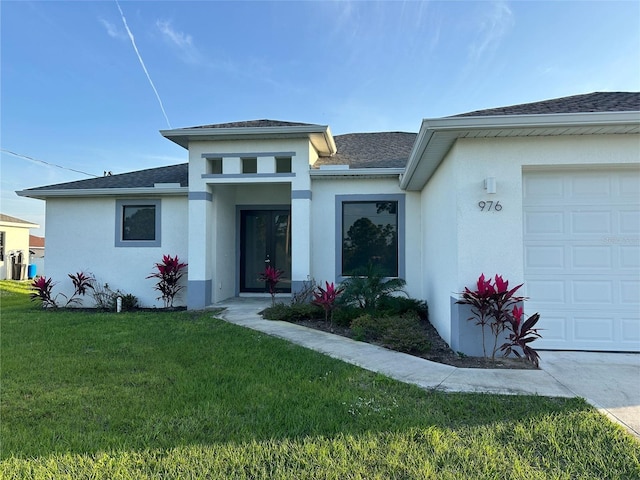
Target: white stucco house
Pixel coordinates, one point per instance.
(545, 193)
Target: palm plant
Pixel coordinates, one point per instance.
(367, 289)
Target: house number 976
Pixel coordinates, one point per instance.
(489, 205)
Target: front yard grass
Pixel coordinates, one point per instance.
(184, 395)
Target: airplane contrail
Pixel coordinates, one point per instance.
(133, 42)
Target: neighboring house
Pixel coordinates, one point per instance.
(36, 251)
(14, 247)
(36, 246)
(546, 193)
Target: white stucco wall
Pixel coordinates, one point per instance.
(223, 250)
(323, 226)
(439, 243)
(491, 242)
(81, 237)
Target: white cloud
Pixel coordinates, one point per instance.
(112, 30)
(183, 42)
(494, 26)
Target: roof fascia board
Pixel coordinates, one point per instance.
(458, 126)
(6, 223)
(355, 172)
(492, 122)
(181, 136)
(102, 192)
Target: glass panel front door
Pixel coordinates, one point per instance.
(265, 239)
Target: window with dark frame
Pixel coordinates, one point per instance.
(370, 236)
(2, 246)
(138, 222)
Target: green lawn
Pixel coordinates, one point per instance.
(185, 395)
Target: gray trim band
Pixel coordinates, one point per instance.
(249, 155)
(201, 196)
(198, 294)
(300, 194)
(248, 175)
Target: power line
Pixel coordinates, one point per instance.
(26, 157)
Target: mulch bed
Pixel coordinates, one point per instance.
(440, 351)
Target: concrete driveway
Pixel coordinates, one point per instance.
(608, 381)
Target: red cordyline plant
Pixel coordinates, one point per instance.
(271, 275)
(168, 272)
(42, 290)
(326, 298)
(522, 334)
(494, 304)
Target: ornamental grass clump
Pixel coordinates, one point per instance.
(169, 272)
(494, 304)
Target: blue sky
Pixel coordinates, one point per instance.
(74, 91)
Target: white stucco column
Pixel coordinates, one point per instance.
(300, 238)
(199, 237)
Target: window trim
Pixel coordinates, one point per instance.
(120, 204)
(389, 197)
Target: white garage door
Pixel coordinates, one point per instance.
(582, 257)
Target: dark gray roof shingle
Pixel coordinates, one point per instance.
(255, 124)
(589, 102)
(371, 150)
(138, 179)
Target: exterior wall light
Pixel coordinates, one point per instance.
(490, 184)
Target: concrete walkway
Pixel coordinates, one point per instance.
(562, 374)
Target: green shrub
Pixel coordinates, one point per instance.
(344, 315)
(129, 302)
(293, 313)
(366, 328)
(405, 334)
(402, 333)
(393, 306)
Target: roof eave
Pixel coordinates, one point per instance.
(102, 192)
(5, 223)
(356, 172)
(447, 130)
(319, 135)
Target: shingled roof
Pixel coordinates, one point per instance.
(138, 179)
(589, 102)
(361, 150)
(255, 124)
(371, 150)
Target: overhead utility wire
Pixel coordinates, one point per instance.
(26, 157)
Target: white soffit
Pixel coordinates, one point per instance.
(437, 136)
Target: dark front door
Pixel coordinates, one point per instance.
(265, 239)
